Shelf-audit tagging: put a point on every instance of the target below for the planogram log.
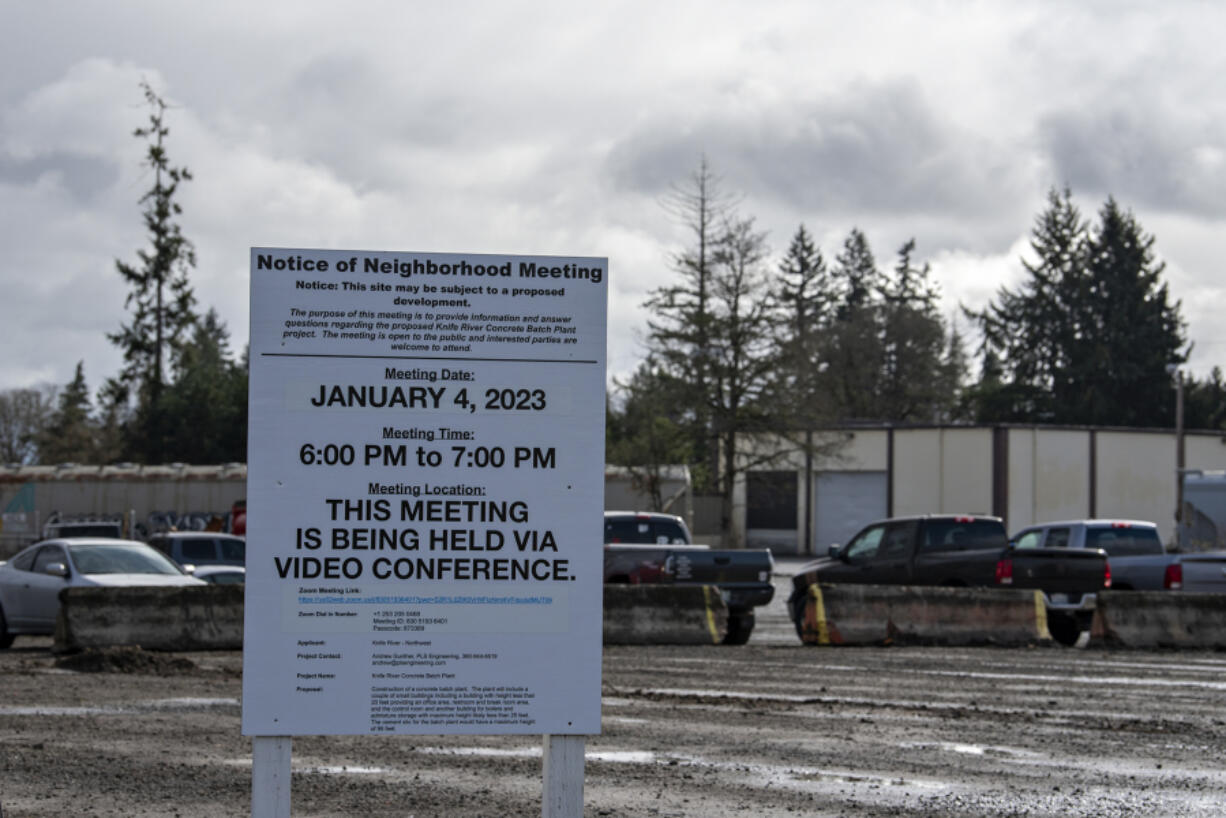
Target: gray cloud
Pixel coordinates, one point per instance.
(1146, 158)
(880, 148)
(83, 176)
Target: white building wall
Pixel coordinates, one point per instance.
(1060, 480)
(966, 471)
(1022, 450)
(917, 471)
(1204, 451)
(1136, 478)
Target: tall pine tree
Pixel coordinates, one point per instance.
(1087, 337)
(160, 295)
(916, 384)
(856, 354)
(1129, 331)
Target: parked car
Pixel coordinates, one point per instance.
(650, 548)
(201, 547)
(30, 583)
(961, 550)
(220, 574)
(1139, 561)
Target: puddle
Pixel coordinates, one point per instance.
(189, 703)
(64, 711)
(1096, 681)
(988, 751)
(625, 720)
(602, 756)
(136, 708)
(345, 770)
(488, 752)
(624, 757)
(730, 694)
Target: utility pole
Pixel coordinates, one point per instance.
(1179, 447)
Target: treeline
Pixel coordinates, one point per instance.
(739, 346)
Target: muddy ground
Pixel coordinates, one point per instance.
(769, 729)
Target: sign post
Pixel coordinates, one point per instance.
(425, 477)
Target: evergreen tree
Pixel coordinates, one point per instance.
(915, 382)
(953, 373)
(1205, 402)
(1087, 337)
(804, 297)
(1128, 331)
(69, 436)
(644, 429)
(1030, 331)
(206, 405)
(160, 296)
(856, 354)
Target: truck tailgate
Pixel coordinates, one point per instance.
(1071, 571)
(1204, 572)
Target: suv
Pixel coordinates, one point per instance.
(201, 547)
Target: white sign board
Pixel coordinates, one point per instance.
(425, 489)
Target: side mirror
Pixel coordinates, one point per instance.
(833, 553)
(188, 569)
(57, 569)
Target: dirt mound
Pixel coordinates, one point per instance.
(126, 659)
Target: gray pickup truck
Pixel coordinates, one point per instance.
(1139, 561)
(655, 549)
(962, 550)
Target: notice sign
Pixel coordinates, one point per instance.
(424, 495)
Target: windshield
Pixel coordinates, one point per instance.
(120, 558)
(1125, 541)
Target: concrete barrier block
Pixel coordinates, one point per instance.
(664, 615)
(1159, 619)
(909, 614)
(203, 617)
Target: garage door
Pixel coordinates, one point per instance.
(844, 502)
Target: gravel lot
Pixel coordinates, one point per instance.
(772, 729)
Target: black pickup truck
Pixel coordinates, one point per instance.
(961, 550)
(654, 548)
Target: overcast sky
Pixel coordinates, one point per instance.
(559, 128)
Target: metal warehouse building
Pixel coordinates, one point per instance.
(1025, 474)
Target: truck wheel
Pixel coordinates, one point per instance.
(6, 638)
(740, 626)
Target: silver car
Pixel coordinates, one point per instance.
(30, 583)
